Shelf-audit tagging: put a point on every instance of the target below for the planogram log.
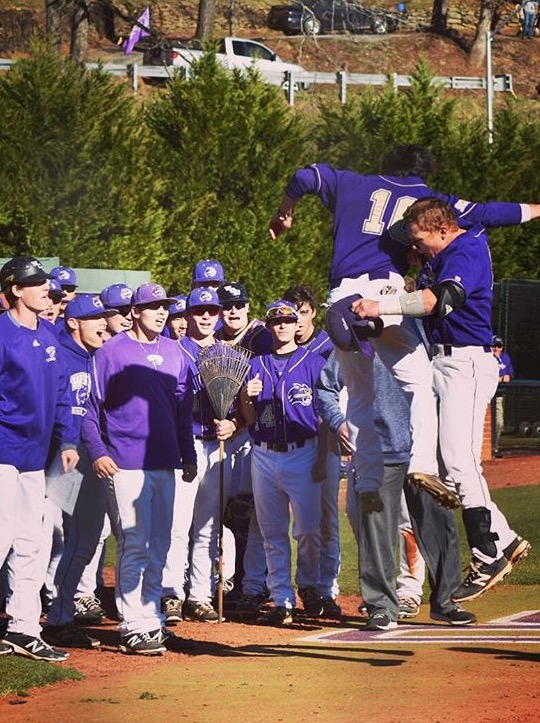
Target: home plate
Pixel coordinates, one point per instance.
(522, 628)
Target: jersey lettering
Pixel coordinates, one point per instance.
(266, 418)
(380, 200)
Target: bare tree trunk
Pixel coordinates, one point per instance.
(205, 19)
(477, 54)
(439, 17)
(79, 31)
(53, 21)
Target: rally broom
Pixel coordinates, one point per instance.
(223, 369)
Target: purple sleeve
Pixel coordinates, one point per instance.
(486, 214)
(318, 179)
(509, 369)
(91, 429)
(65, 429)
(184, 396)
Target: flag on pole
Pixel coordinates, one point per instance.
(140, 30)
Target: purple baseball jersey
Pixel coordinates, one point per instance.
(285, 408)
(139, 412)
(319, 343)
(203, 412)
(505, 365)
(367, 211)
(466, 261)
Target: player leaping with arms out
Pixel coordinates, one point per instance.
(368, 259)
(454, 300)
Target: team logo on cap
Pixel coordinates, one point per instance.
(63, 274)
(205, 296)
(97, 302)
(300, 394)
(210, 272)
(125, 294)
(158, 291)
(232, 290)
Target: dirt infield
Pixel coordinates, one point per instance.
(238, 671)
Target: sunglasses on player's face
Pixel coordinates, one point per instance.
(124, 310)
(281, 312)
(156, 305)
(69, 288)
(230, 305)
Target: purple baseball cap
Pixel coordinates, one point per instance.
(116, 295)
(65, 275)
(87, 306)
(202, 296)
(179, 307)
(346, 329)
(55, 289)
(149, 293)
(281, 309)
(208, 270)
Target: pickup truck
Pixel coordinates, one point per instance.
(232, 53)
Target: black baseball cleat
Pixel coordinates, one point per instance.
(517, 550)
(31, 646)
(431, 484)
(5, 649)
(454, 616)
(311, 601)
(143, 643)
(482, 577)
(68, 636)
(277, 616)
(380, 621)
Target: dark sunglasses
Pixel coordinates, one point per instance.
(70, 289)
(124, 310)
(156, 305)
(230, 305)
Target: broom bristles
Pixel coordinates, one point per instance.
(223, 369)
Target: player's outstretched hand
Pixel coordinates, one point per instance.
(70, 457)
(278, 225)
(189, 472)
(105, 467)
(366, 308)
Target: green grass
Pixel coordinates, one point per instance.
(521, 505)
(18, 675)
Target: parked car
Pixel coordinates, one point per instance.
(313, 17)
(232, 53)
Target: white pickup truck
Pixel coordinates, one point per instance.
(232, 53)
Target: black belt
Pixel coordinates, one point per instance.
(206, 438)
(281, 446)
(446, 349)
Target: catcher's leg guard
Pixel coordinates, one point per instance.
(477, 521)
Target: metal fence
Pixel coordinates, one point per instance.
(516, 318)
(293, 82)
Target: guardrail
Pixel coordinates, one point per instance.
(292, 82)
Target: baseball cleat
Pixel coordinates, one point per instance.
(431, 484)
(380, 621)
(200, 612)
(68, 636)
(143, 643)
(171, 607)
(481, 577)
(408, 608)
(33, 647)
(517, 550)
(5, 649)
(88, 610)
(331, 610)
(455, 616)
(311, 601)
(277, 616)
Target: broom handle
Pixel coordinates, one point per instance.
(220, 533)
